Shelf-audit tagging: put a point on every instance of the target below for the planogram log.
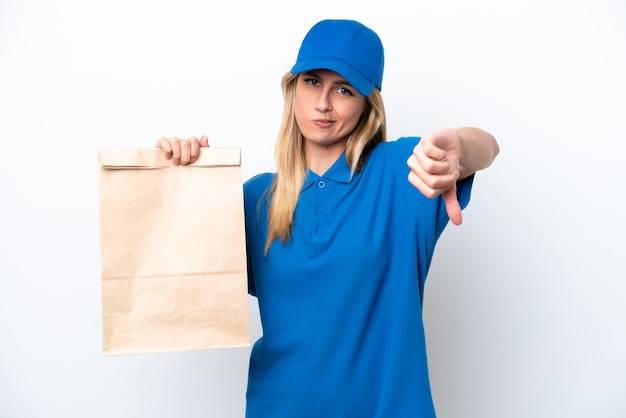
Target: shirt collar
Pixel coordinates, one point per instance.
(338, 172)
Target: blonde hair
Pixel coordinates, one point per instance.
(291, 158)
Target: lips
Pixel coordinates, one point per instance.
(323, 123)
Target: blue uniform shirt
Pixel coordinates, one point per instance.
(341, 302)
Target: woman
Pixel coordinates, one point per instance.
(341, 237)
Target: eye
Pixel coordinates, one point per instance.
(312, 81)
(344, 91)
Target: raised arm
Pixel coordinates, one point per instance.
(447, 155)
(478, 150)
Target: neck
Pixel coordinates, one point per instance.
(320, 158)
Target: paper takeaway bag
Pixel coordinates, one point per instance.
(173, 253)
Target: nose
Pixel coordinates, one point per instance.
(323, 103)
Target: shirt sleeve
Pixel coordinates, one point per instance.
(403, 149)
(255, 205)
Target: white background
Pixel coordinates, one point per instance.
(524, 305)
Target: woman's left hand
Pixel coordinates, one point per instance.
(435, 168)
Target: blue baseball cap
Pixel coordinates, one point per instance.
(346, 47)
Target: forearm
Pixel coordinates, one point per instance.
(478, 150)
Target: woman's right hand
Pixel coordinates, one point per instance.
(182, 151)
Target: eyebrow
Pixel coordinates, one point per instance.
(315, 73)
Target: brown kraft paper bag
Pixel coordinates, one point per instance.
(173, 253)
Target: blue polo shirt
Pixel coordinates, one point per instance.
(341, 302)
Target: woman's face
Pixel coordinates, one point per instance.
(327, 108)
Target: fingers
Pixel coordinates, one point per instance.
(432, 188)
(182, 151)
(166, 146)
(195, 145)
(189, 151)
(430, 176)
(434, 172)
(430, 148)
(452, 205)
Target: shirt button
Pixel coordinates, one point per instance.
(321, 184)
(320, 211)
